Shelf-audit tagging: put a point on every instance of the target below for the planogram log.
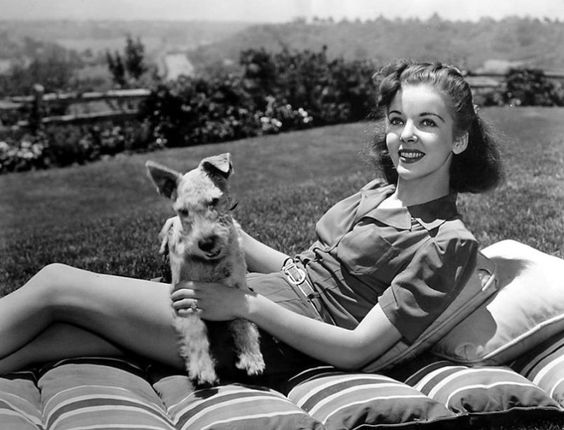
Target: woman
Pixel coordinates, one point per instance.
(387, 262)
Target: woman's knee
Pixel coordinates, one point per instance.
(52, 281)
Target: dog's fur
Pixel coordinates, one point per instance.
(203, 243)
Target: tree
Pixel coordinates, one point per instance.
(117, 69)
(135, 58)
(131, 66)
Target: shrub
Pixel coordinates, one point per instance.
(531, 87)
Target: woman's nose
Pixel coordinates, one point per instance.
(408, 133)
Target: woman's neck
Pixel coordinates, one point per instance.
(411, 193)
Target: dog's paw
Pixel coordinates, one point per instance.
(253, 364)
(202, 374)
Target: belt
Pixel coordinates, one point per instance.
(296, 275)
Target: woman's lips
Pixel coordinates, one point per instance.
(410, 156)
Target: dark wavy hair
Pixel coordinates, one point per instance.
(476, 169)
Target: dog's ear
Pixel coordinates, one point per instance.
(218, 165)
(164, 178)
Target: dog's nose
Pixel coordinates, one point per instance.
(207, 244)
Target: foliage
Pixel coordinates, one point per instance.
(275, 93)
(331, 91)
(53, 67)
(530, 87)
(128, 69)
(59, 146)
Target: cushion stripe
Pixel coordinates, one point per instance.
(119, 426)
(313, 372)
(557, 385)
(436, 376)
(8, 406)
(505, 385)
(106, 416)
(99, 400)
(231, 421)
(347, 400)
(11, 419)
(461, 376)
(196, 405)
(336, 384)
(236, 409)
(547, 368)
(94, 391)
(535, 358)
(425, 371)
(343, 391)
(325, 416)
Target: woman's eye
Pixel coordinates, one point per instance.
(429, 123)
(395, 121)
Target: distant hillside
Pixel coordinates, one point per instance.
(524, 41)
(99, 36)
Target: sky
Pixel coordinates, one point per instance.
(275, 10)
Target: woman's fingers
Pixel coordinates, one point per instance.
(185, 304)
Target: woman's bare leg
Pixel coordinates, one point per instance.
(59, 341)
(132, 314)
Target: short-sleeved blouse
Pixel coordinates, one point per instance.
(412, 261)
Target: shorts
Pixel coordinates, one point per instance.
(281, 360)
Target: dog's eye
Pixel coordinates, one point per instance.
(214, 202)
(183, 212)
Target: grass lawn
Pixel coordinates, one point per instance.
(106, 216)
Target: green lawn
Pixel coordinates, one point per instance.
(106, 216)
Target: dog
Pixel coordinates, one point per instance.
(204, 244)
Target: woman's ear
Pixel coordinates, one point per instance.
(460, 144)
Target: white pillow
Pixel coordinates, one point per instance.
(527, 308)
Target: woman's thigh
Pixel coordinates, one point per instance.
(133, 313)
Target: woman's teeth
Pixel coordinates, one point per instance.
(411, 155)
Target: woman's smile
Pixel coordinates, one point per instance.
(410, 155)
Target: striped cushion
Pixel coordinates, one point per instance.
(545, 367)
(229, 407)
(478, 389)
(19, 402)
(527, 309)
(344, 400)
(100, 394)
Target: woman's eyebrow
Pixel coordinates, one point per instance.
(432, 114)
(394, 111)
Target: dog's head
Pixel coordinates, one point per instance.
(201, 200)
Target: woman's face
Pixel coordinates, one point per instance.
(420, 136)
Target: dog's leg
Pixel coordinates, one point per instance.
(195, 349)
(246, 336)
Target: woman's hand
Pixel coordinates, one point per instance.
(212, 301)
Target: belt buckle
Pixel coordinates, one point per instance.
(289, 273)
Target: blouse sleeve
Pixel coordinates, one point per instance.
(430, 282)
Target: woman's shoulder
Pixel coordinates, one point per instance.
(454, 233)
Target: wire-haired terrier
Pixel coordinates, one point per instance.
(203, 243)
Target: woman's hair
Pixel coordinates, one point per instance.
(476, 169)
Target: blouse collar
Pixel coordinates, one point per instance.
(430, 215)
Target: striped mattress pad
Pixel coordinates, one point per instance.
(104, 393)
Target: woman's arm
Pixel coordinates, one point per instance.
(260, 257)
(344, 348)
